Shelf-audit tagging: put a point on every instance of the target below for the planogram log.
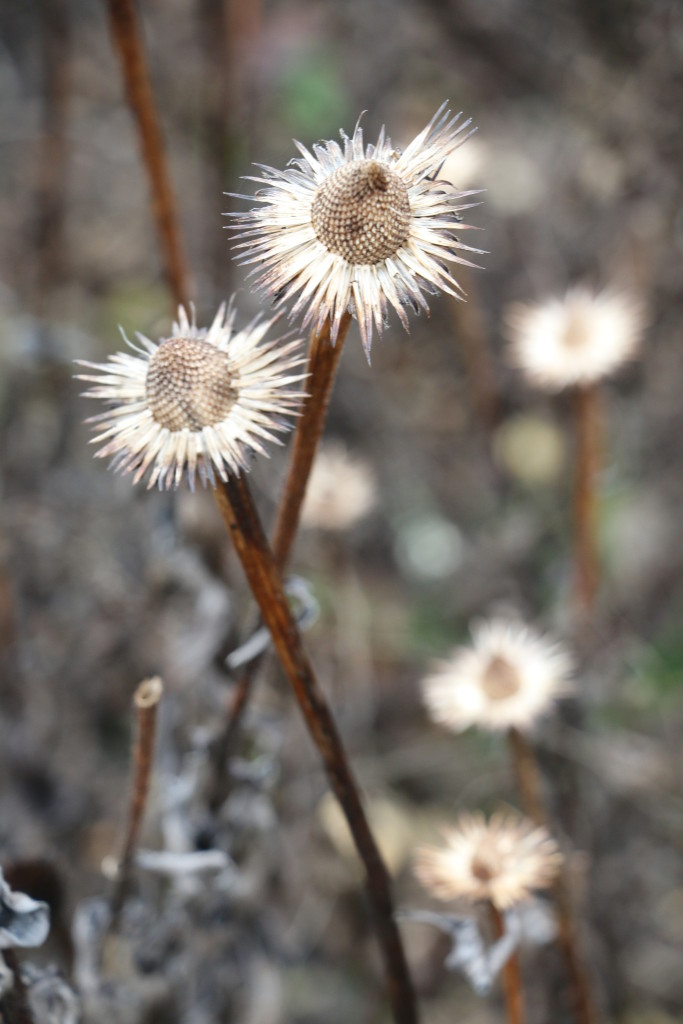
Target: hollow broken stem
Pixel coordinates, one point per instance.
(323, 359)
(529, 781)
(146, 702)
(511, 975)
(129, 45)
(244, 526)
(587, 425)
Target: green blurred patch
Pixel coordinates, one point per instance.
(660, 675)
(314, 97)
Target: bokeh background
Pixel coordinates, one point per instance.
(579, 152)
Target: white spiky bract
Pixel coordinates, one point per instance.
(503, 860)
(408, 223)
(222, 393)
(507, 678)
(576, 339)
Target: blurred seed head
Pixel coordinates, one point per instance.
(503, 860)
(197, 402)
(577, 339)
(341, 490)
(507, 677)
(358, 227)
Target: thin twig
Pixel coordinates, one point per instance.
(243, 524)
(323, 359)
(146, 700)
(529, 781)
(129, 44)
(512, 978)
(587, 414)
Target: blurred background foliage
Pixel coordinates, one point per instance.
(578, 105)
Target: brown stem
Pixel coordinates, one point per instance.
(323, 359)
(243, 524)
(146, 700)
(128, 41)
(512, 978)
(531, 790)
(587, 414)
(15, 1007)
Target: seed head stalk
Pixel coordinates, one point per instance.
(323, 359)
(587, 571)
(242, 522)
(512, 978)
(530, 785)
(129, 45)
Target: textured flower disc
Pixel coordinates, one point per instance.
(197, 402)
(359, 228)
(504, 860)
(507, 678)
(577, 339)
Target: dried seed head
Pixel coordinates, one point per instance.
(190, 384)
(500, 680)
(197, 403)
(577, 339)
(359, 228)
(503, 860)
(362, 212)
(507, 678)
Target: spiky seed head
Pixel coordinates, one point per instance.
(359, 228)
(503, 860)
(508, 677)
(577, 339)
(198, 402)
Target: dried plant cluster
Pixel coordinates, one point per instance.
(345, 232)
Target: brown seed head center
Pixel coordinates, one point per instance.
(361, 211)
(190, 384)
(577, 331)
(483, 866)
(500, 680)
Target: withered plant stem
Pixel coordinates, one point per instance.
(128, 42)
(243, 524)
(530, 785)
(14, 1005)
(511, 975)
(323, 359)
(587, 569)
(146, 702)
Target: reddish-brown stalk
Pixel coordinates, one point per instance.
(512, 978)
(323, 359)
(530, 786)
(146, 701)
(129, 45)
(587, 567)
(244, 526)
